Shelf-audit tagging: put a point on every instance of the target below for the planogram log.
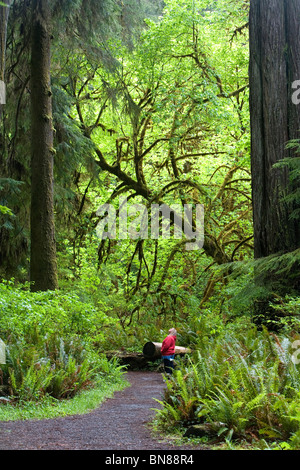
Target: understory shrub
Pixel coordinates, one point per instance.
(52, 344)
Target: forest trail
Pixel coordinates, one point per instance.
(120, 423)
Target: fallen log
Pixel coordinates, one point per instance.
(132, 360)
(152, 350)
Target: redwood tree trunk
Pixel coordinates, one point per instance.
(274, 65)
(43, 269)
(275, 120)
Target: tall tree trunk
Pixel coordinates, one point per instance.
(43, 268)
(274, 65)
(4, 11)
(275, 119)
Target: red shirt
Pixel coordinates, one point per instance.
(168, 346)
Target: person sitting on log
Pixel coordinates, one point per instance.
(168, 351)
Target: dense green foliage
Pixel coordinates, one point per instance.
(156, 111)
(245, 384)
(52, 344)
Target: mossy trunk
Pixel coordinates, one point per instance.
(43, 267)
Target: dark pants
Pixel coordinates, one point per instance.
(168, 363)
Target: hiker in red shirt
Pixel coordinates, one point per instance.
(168, 351)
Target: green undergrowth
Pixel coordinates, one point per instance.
(54, 348)
(82, 403)
(244, 387)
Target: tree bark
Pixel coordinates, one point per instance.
(43, 268)
(4, 12)
(274, 65)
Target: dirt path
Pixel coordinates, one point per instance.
(118, 424)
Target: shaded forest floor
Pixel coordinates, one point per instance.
(120, 423)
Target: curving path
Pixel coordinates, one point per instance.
(120, 423)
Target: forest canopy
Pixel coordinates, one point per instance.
(166, 122)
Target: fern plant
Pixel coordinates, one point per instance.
(246, 384)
